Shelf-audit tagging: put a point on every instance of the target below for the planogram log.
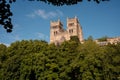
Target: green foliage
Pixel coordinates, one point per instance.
(3, 55)
(5, 14)
(90, 38)
(103, 39)
(38, 60)
(74, 38)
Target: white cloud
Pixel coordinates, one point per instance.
(45, 15)
(41, 13)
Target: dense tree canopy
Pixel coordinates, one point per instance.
(38, 60)
(6, 13)
(103, 39)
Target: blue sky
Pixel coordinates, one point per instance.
(31, 20)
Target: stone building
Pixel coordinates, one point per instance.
(113, 40)
(59, 35)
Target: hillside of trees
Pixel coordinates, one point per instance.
(39, 60)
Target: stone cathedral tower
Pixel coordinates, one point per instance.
(59, 35)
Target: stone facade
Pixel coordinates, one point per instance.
(114, 40)
(59, 35)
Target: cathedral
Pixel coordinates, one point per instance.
(58, 34)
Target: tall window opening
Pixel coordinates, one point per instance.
(55, 32)
(70, 30)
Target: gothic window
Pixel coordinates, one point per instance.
(70, 30)
(55, 33)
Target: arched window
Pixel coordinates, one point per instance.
(55, 32)
(70, 30)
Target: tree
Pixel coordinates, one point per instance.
(36, 60)
(6, 13)
(90, 38)
(23, 59)
(103, 39)
(65, 2)
(112, 62)
(74, 38)
(3, 55)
